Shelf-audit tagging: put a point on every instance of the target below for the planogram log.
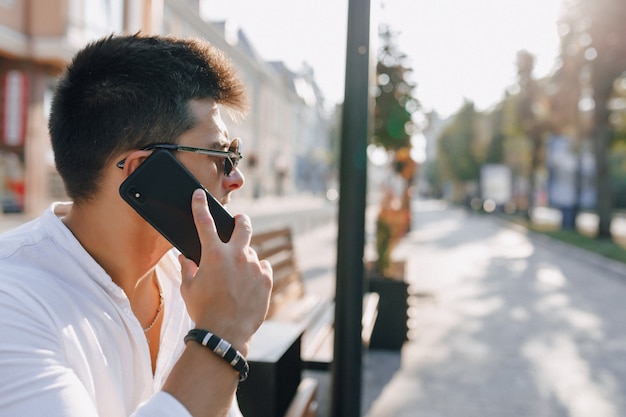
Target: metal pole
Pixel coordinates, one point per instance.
(346, 368)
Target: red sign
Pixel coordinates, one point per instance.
(14, 107)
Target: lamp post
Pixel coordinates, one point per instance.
(347, 366)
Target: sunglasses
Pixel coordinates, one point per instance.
(230, 157)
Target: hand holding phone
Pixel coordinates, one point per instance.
(160, 190)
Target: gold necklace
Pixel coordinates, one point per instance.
(158, 313)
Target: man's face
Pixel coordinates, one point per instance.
(211, 133)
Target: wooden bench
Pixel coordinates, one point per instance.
(304, 403)
(291, 303)
(293, 310)
(289, 300)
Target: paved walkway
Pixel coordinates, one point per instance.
(506, 324)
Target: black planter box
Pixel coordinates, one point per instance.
(391, 328)
(275, 370)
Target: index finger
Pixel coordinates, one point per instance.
(205, 225)
(242, 233)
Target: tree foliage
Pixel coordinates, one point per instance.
(527, 119)
(456, 146)
(592, 44)
(394, 96)
(495, 150)
(393, 128)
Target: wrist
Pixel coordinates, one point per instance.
(234, 334)
(222, 349)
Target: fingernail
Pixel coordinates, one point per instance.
(198, 194)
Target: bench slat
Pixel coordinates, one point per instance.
(277, 247)
(304, 403)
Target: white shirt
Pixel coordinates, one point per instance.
(70, 344)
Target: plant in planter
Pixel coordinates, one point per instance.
(391, 226)
(386, 277)
(383, 243)
(393, 128)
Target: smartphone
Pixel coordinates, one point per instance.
(160, 190)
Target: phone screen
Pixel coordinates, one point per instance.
(160, 190)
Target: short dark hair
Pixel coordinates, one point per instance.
(126, 92)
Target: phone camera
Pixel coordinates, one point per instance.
(136, 194)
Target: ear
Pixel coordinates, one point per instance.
(133, 160)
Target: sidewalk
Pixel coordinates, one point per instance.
(302, 213)
(506, 323)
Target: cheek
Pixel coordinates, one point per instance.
(210, 179)
(207, 173)
(214, 185)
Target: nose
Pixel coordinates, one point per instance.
(233, 182)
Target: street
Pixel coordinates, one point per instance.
(504, 323)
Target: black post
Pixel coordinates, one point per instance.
(346, 368)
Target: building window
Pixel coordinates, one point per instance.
(91, 19)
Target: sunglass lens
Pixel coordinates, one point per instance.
(228, 166)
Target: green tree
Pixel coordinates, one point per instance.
(393, 128)
(529, 124)
(618, 118)
(495, 151)
(394, 96)
(457, 146)
(592, 40)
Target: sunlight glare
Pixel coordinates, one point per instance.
(377, 155)
(562, 373)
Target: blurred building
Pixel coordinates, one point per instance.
(286, 125)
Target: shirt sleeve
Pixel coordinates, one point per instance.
(161, 404)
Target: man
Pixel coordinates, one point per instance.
(94, 305)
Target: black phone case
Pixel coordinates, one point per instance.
(160, 190)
